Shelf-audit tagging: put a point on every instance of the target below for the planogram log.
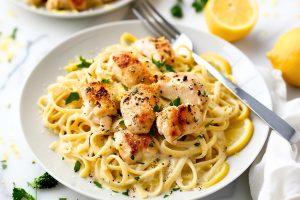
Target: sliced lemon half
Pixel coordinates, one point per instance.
(231, 19)
(238, 135)
(218, 177)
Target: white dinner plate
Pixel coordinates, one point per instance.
(96, 38)
(72, 14)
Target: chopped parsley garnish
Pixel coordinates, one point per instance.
(33, 162)
(115, 191)
(62, 158)
(190, 69)
(204, 93)
(132, 157)
(169, 68)
(20, 193)
(113, 138)
(156, 108)
(77, 166)
(162, 65)
(13, 34)
(43, 182)
(137, 178)
(158, 63)
(208, 124)
(199, 5)
(176, 11)
(166, 195)
(62, 198)
(3, 164)
(74, 96)
(98, 184)
(105, 81)
(122, 123)
(83, 63)
(197, 144)
(175, 102)
(125, 87)
(175, 189)
(126, 193)
(135, 90)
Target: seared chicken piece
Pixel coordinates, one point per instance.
(35, 2)
(157, 48)
(60, 5)
(72, 4)
(175, 122)
(137, 108)
(132, 147)
(184, 85)
(98, 104)
(128, 69)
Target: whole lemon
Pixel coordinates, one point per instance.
(285, 56)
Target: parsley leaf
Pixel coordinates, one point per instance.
(20, 193)
(4, 164)
(176, 11)
(13, 34)
(169, 68)
(204, 93)
(135, 90)
(199, 5)
(166, 195)
(175, 102)
(98, 184)
(83, 63)
(62, 198)
(156, 108)
(122, 123)
(115, 191)
(43, 182)
(105, 81)
(74, 96)
(158, 63)
(175, 189)
(137, 178)
(77, 166)
(126, 193)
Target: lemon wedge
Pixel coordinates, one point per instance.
(231, 19)
(218, 177)
(238, 135)
(220, 63)
(285, 56)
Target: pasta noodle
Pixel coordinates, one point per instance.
(189, 164)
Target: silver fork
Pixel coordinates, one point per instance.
(159, 26)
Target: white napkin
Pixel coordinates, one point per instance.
(276, 174)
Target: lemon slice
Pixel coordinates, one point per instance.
(238, 135)
(218, 177)
(231, 19)
(220, 63)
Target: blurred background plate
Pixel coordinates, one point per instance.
(110, 7)
(88, 43)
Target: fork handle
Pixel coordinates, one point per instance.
(272, 119)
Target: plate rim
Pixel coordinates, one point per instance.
(137, 22)
(84, 14)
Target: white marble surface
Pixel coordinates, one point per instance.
(39, 34)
